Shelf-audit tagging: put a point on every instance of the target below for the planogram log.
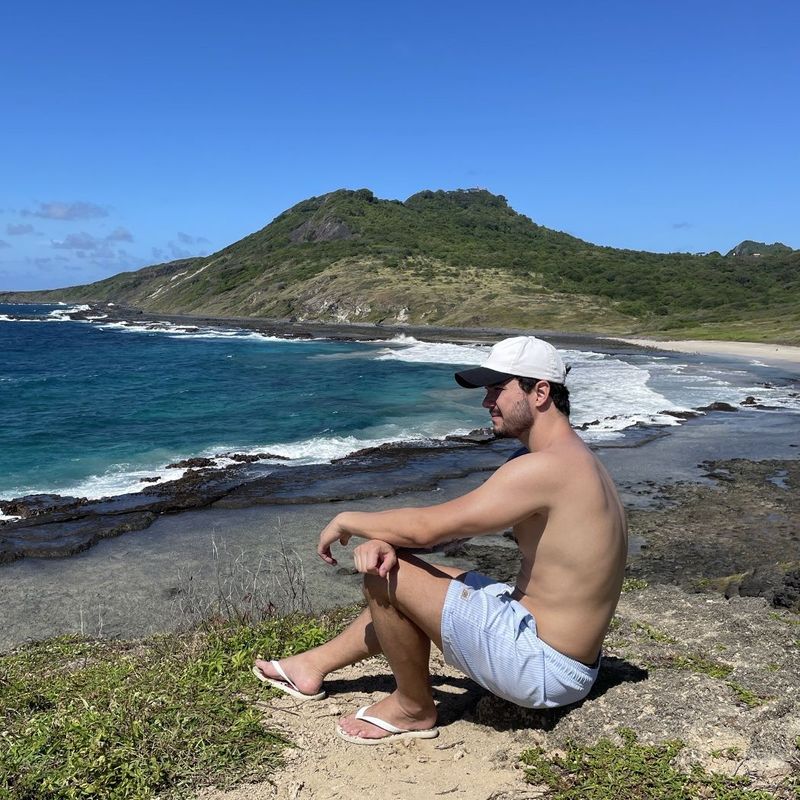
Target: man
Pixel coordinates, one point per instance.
(537, 643)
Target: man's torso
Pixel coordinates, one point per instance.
(573, 556)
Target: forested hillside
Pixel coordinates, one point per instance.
(463, 258)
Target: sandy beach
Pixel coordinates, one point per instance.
(764, 352)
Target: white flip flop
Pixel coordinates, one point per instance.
(286, 684)
(394, 732)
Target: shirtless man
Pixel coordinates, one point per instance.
(537, 643)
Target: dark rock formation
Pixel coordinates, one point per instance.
(717, 406)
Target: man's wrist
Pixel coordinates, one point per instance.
(342, 520)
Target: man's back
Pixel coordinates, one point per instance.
(573, 549)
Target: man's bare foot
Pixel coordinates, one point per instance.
(390, 710)
(304, 676)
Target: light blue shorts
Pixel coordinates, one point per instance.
(492, 638)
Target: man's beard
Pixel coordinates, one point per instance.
(514, 422)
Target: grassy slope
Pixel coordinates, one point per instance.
(462, 258)
(134, 720)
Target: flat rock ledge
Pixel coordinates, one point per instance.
(722, 675)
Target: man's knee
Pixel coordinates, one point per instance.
(375, 588)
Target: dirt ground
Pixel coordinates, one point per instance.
(673, 622)
(644, 685)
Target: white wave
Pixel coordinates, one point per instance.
(8, 517)
(322, 449)
(177, 331)
(56, 315)
(615, 393)
(116, 481)
(239, 335)
(6, 318)
(121, 479)
(435, 353)
(398, 338)
(63, 313)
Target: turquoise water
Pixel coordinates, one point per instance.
(91, 408)
(85, 405)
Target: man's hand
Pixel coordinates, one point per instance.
(333, 532)
(375, 558)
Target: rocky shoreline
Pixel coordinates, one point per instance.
(53, 526)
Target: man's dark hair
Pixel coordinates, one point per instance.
(559, 393)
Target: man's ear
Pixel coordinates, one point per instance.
(541, 393)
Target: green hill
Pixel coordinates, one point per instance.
(750, 248)
(462, 258)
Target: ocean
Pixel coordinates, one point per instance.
(91, 406)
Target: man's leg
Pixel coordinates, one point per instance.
(357, 642)
(406, 613)
(308, 670)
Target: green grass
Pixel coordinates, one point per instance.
(652, 633)
(633, 585)
(631, 770)
(784, 618)
(726, 752)
(744, 695)
(695, 662)
(97, 719)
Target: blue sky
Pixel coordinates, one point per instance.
(141, 132)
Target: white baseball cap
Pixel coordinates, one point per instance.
(517, 357)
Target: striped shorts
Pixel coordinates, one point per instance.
(493, 639)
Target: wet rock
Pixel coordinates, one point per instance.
(737, 537)
(192, 463)
(502, 563)
(681, 414)
(748, 401)
(717, 406)
(34, 505)
(763, 581)
(65, 538)
(789, 595)
(477, 436)
(251, 458)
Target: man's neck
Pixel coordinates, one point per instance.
(548, 428)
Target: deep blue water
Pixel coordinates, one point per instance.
(81, 400)
(90, 408)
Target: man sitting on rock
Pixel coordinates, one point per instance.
(537, 643)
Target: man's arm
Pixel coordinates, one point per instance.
(515, 491)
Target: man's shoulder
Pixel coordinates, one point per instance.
(524, 462)
(558, 462)
(520, 451)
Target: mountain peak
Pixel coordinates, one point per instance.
(751, 248)
(464, 198)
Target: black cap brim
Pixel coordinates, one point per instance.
(480, 376)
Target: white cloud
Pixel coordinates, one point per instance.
(78, 241)
(120, 235)
(185, 238)
(67, 211)
(83, 242)
(18, 230)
